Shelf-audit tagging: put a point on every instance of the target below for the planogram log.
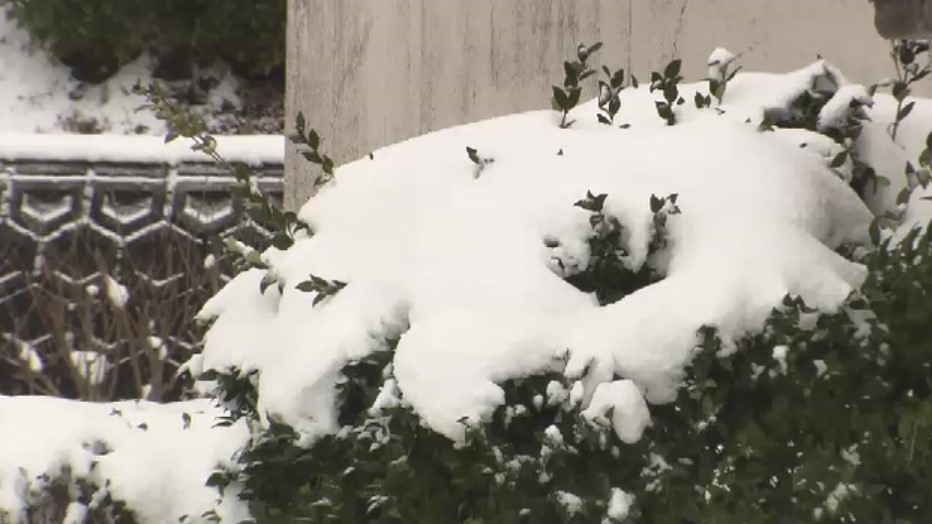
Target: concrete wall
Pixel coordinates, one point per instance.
(368, 73)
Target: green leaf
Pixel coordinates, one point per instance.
(655, 80)
(560, 99)
(732, 75)
(839, 160)
(312, 157)
(924, 177)
(574, 97)
(267, 280)
(571, 74)
(299, 123)
(874, 232)
(670, 93)
(307, 286)
(327, 165)
(618, 79)
(673, 69)
(700, 101)
(905, 111)
(900, 91)
(656, 204)
(282, 241)
(925, 158)
(903, 196)
(313, 139)
(473, 155)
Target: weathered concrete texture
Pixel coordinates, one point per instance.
(368, 73)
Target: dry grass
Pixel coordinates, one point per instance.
(90, 346)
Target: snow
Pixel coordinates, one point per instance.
(553, 435)
(779, 354)
(619, 505)
(719, 61)
(117, 294)
(154, 464)
(91, 365)
(248, 149)
(27, 353)
(629, 413)
(458, 266)
(75, 513)
(836, 111)
(570, 502)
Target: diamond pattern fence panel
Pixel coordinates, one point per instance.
(103, 267)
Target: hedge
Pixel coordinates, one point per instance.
(95, 37)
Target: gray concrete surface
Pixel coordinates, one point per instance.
(368, 73)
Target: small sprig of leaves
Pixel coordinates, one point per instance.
(609, 90)
(308, 142)
(668, 84)
(237, 390)
(661, 208)
(323, 287)
(917, 177)
(480, 162)
(908, 71)
(566, 98)
(605, 274)
(914, 178)
(718, 82)
(182, 123)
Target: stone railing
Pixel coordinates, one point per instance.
(78, 211)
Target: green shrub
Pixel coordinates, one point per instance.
(96, 37)
(249, 35)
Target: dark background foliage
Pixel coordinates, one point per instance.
(95, 37)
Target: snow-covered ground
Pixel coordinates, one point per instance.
(154, 457)
(465, 265)
(38, 94)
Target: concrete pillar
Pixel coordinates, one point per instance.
(368, 73)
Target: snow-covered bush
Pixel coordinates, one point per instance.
(693, 319)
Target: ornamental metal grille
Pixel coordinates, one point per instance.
(67, 228)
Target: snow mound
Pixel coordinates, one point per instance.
(450, 258)
(156, 458)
